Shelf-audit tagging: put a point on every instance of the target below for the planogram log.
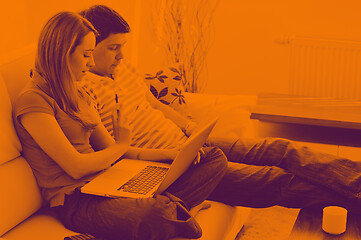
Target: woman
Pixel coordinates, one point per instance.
(66, 145)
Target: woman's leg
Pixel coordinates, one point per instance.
(124, 218)
(339, 174)
(199, 181)
(149, 218)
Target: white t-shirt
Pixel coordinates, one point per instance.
(150, 128)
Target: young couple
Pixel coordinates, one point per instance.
(60, 117)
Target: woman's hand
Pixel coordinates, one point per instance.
(171, 153)
(122, 133)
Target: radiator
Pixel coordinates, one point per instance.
(324, 68)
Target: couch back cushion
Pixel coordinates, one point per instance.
(10, 146)
(15, 68)
(14, 73)
(19, 194)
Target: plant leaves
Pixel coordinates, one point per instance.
(163, 92)
(154, 91)
(150, 78)
(174, 70)
(159, 72)
(161, 78)
(178, 78)
(174, 94)
(163, 101)
(183, 100)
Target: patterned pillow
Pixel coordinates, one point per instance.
(166, 86)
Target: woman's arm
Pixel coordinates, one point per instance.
(57, 146)
(122, 133)
(100, 138)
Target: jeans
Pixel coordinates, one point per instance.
(259, 173)
(156, 218)
(273, 171)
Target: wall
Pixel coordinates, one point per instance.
(244, 57)
(22, 20)
(245, 47)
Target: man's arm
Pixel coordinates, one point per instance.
(183, 123)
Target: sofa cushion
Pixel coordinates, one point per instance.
(20, 195)
(39, 226)
(10, 146)
(219, 222)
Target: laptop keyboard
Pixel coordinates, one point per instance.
(145, 180)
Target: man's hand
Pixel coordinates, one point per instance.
(122, 133)
(191, 126)
(199, 156)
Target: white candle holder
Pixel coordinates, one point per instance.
(334, 220)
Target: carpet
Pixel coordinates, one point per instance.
(273, 223)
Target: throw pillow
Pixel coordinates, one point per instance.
(166, 86)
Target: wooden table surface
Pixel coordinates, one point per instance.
(308, 226)
(314, 111)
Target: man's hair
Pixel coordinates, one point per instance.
(105, 20)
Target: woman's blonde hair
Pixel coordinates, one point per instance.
(58, 39)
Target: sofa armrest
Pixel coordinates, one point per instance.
(233, 112)
(198, 103)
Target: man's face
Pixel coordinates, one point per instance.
(108, 54)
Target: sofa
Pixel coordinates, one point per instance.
(21, 213)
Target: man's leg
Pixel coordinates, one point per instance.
(265, 186)
(339, 174)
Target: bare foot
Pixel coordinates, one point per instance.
(195, 210)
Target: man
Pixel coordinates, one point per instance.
(261, 173)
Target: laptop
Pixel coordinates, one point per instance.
(142, 179)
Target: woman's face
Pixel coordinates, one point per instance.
(82, 58)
